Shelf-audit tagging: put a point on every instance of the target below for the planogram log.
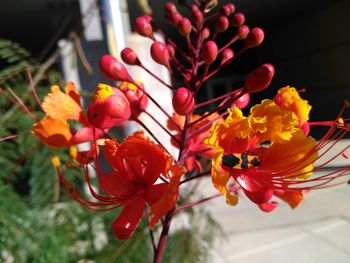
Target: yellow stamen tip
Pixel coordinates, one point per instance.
(103, 91)
(56, 162)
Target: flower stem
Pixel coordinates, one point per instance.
(179, 208)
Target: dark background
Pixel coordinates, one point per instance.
(307, 41)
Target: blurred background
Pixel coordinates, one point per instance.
(307, 41)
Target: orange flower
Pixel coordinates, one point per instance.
(288, 99)
(261, 171)
(54, 130)
(55, 133)
(65, 106)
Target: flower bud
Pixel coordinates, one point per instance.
(160, 53)
(129, 57)
(205, 33)
(113, 69)
(198, 16)
(171, 50)
(227, 10)
(184, 26)
(143, 26)
(183, 101)
(254, 38)
(222, 24)
(170, 8)
(175, 18)
(238, 19)
(210, 52)
(242, 101)
(259, 79)
(109, 107)
(136, 97)
(242, 32)
(227, 55)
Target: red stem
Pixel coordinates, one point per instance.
(179, 208)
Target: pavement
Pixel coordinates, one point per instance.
(318, 230)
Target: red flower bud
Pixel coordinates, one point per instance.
(184, 26)
(227, 10)
(222, 24)
(259, 79)
(242, 101)
(129, 57)
(227, 55)
(109, 107)
(210, 52)
(238, 19)
(174, 18)
(171, 50)
(160, 53)
(232, 7)
(205, 33)
(113, 69)
(136, 97)
(183, 101)
(242, 32)
(143, 26)
(254, 38)
(170, 8)
(198, 16)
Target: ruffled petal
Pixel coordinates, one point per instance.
(55, 133)
(129, 219)
(61, 105)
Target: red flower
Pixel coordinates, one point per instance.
(137, 165)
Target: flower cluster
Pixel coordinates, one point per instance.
(267, 154)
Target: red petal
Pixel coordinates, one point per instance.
(130, 217)
(155, 192)
(117, 184)
(268, 207)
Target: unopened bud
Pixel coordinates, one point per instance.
(185, 26)
(227, 55)
(170, 8)
(205, 33)
(222, 24)
(259, 79)
(198, 16)
(143, 26)
(238, 19)
(210, 52)
(175, 18)
(254, 38)
(136, 97)
(171, 50)
(227, 10)
(109, 107)
(242, 101)
(242, 32)
(129, 56)
(183, 101)
(160, 53)
(113, 69)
